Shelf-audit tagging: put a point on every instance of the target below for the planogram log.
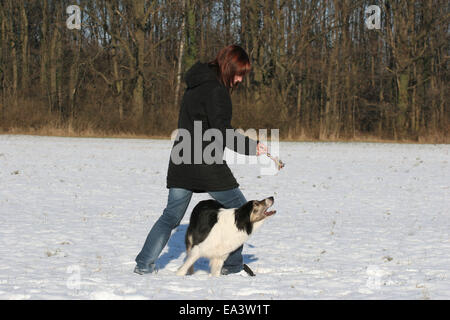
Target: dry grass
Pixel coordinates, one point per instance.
(33, 118)
(70, 132)
(432, 139)
(89, 132)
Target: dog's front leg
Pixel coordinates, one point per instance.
(216, 266)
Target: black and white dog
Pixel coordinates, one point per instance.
(214, 232)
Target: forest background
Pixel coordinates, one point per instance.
(318, 71)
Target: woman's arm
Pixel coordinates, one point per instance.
(219, 113)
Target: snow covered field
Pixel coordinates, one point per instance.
(354, 221)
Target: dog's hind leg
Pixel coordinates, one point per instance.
(190, 270)
(188, 250)
(193, 255)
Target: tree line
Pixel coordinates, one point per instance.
(318, 71)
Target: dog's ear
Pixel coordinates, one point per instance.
(246, 208)
(242, 218)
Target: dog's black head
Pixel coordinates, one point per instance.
(253, 211)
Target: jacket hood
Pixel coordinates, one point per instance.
(198, 74)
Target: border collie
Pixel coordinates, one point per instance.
(214, 232)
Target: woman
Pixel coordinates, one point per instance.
(206, 104)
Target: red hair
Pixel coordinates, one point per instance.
(231, 61)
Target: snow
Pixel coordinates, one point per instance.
(354, 221)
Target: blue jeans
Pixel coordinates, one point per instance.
(177, 204)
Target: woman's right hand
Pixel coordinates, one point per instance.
(261, 148)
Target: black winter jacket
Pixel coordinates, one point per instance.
(208, 101)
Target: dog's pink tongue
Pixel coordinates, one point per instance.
(269, 213)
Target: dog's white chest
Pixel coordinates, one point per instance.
(224, 237)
